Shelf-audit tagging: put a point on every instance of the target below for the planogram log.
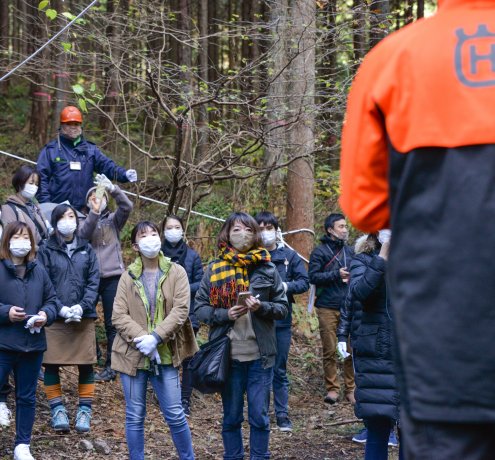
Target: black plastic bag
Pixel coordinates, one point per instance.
(210, 365)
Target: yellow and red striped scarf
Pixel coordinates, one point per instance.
(229, 274)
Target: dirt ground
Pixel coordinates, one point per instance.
(320, 432)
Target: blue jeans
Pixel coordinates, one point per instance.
(167, 389)
(377, 441)
(26, 367)
(280, 380)
(246, 377)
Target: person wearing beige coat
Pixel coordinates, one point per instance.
(154, 335)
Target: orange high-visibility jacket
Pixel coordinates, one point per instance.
(431, 84)
(418, 155)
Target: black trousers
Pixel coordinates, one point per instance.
(108, 290)
(447, 441)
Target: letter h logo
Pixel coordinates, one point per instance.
(475, 57)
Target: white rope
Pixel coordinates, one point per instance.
(196, 213)
(60, 32)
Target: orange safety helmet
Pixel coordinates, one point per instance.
(70, 113)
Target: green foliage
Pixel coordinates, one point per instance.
(78, 89)
(43, 4)
(51, 14)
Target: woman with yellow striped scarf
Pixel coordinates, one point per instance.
(243, 264)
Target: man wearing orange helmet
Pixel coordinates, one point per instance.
(66, 165)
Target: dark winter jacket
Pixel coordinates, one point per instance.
(33, 293)
(263, 280)
(324, 264)
(376, 387)
(350, 318)
(76, 279)
(351, 309)
(191, 262)
(293, 272)
(58, 182)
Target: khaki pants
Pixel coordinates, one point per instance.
(328, 319)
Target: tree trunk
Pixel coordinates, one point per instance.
(359, 29)
(39, 120)
(408, 12)
(60, 73)
(379, 22)
(300, 176)
(202, 124)
(421, 9)
(4, 42)
(112, 86)
(277, 99)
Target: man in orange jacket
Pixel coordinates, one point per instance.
(418, 155)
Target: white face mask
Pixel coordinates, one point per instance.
(20, 248)
(173, 235)
(149, 246)
(269, 237)
(29, 191)
(66, 227)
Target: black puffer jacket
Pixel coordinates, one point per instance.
(263, 280)
(76, 279)
(324, 264)
(376, 387)
(33, 293)
(189, 259)
(351, 309)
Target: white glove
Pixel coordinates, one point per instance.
(342, 350)
(76, 314)
(285, 286)
(76, 310)
(146, 344)
(30, 324)
(156, 356)
(131, 174)
(101, 179)
(65, 312)
(384, 235)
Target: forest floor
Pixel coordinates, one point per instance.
(320, 431)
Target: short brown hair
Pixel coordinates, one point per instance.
(13, 228)
(243, 218)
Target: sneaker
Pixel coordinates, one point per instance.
(392, 439)
(83, 419)
(22, 452)
(186, 407)
(361, 437)
(106, 375)
(5, 415)
(60, 421)
(284, 424)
